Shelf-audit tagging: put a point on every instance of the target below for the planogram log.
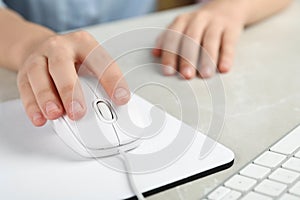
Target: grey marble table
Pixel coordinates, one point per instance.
(262, 90)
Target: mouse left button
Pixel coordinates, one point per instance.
(64, 132)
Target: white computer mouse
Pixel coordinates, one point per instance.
(105, 128)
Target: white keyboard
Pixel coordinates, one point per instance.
(274, 174)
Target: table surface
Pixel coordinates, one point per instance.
(262, 90)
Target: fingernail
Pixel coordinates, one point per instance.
(121, 93)
(51, 108)
(169, 70)
(75, 108)
(206, 72)
(187, 72)
(224, 67)
(37, 117)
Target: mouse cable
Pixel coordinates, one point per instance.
(133, 186)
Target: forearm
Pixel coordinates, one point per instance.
(256, 10)
(18, 38)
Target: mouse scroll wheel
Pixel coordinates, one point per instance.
(105, 111)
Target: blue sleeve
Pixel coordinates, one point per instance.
(2, 4)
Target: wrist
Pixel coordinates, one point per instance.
(238, 10)
(247, 11)
(241, 8)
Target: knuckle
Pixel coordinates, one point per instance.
(44, 93)
(203, 15)
(181, 18)
(31, 107)
(58, 58)
(82, 36)
(22, 84)
(111, 82)
(171, 42)
(169, 37)
(28, 62)
(192, 34)
(210, 37)
(66, 90)
(55, 42)
(227, 51)
(185, 63)
(34, 64)
(168, 60)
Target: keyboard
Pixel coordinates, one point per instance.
(274, 174)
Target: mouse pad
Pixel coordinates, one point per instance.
(35, 163)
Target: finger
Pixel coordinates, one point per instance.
(158, 44)
(31, 107)
(63, 72)
(115, 84)
(109, 75)
(43, 88)
(229, 41)
(210, 52)
(190, 48)
(171, 44)
(102, 65)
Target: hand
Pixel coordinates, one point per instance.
(47, 79)
(216, 26)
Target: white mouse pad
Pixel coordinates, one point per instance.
(35, 164)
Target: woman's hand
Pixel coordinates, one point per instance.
(47, 79)
(216, 26)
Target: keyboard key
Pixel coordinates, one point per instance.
(289, 144)
(271, 188)
(270, 159)
(253, 195)
(232, 195)
(219, 193)
(293, 164)
(288, 197)
(284, 176)
(255, 171)
(240, 183)
(295, 189)
(275, 174)
(297, 154)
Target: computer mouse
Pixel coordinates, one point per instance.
(106, 128)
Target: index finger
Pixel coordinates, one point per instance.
(102, 65)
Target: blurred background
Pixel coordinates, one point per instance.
(168, 4)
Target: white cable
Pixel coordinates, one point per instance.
(130, 176)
